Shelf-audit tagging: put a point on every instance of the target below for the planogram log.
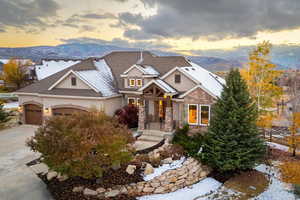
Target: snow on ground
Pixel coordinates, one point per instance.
(11, 105)
(278, 146)
(165, 167)
(277, 190)
(205, 186)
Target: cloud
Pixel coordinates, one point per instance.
(22, 14)
(99, 16)
(136, 34)
(214, 19)
(118, 42)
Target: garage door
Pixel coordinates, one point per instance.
(33, 114)
(65, 111)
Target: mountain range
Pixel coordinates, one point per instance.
(285, 56)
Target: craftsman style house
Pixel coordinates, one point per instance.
(169, 90)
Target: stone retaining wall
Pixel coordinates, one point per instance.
(188, 174)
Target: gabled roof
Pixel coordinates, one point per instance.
(145, 69)
(48, 67)
(161, 84)
(204, 79)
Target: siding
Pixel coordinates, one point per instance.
(66, 83)
(183, 86)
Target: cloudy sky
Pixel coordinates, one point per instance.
(179, 25)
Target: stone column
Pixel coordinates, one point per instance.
(169, 116)
(142, 117)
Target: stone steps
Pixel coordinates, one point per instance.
(148, 139)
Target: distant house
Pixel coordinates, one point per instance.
(169, 90)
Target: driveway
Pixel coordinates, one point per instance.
(17, 181)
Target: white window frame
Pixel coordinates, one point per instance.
(134, 100)
(130, 82)
(200, 106)
(136, 82)
(197, 113)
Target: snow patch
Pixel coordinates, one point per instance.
(205, 186)
(11, 105)
(165, 167)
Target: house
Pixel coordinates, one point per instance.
(169, 90)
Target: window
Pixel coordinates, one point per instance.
(73, 81)
(131, 101)
(177, 78)
(193, 114)
(131, 82)
(204, 114)
(139, 82)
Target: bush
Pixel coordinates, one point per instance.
(84, 144)
(191, 144)
(128, 115)
(4, 115)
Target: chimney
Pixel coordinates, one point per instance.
(141, 58)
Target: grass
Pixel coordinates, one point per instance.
(250, 184)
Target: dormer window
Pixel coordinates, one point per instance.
(131, 82)
(177, 78)
(73, 81)
(139, 82)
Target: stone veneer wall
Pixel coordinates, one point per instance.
(188, 174)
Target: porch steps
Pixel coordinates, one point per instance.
(148, 139)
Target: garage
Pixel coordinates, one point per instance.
(33, 114)
(65, 111)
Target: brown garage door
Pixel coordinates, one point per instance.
(33, 114)
(65, 111)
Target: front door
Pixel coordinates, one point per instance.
(159, 110)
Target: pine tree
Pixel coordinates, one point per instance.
(232, 142)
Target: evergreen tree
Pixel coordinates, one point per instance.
(232, 142)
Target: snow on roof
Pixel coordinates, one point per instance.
(49, 67)
(4, 61)
(163, 85)
(208, 80)
(149, 70)
(101, 79)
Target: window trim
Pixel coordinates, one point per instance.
(134, 100)
(137, 80)
(200, 105)
(73, 80)
(179, 78)
(130, 85)
(197, 113)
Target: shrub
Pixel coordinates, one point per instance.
(191, 144)
(4, 115)
(84, 144)
(128, 115)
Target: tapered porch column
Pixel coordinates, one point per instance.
(142, 117)
(169, 116)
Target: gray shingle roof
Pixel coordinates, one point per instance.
(117, 61)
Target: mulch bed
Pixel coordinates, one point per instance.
(283, 156)
(63, 190)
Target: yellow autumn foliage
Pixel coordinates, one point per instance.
(290, 172)
(261, 75)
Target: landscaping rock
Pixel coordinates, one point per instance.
(112, 193)
(51, 175)
(148, 169)
(159, 190)
(167, 161)
(148, 189)
(78, 189)
(89, 192)
(40, 168)
(62, 177)
(130, 169)
(100, 190)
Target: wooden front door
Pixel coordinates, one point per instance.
(33, 114)
(159, 110)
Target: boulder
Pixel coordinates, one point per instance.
(51, 175)
(100, 190)
(148, 169)
(78, 189)
(130, 169)
(159, 190)
(148, 189)
(112, 193)
(89, 192)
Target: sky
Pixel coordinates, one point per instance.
(182, 26)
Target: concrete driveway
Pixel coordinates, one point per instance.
(17, 181)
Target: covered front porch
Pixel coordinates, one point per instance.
(156, 110)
